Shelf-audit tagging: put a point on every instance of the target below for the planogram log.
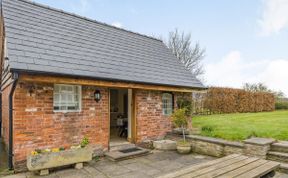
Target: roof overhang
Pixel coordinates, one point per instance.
(32, 76)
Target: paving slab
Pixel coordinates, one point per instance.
(133, 175)
(142, 168)
(149, 166)
(94, 172)
(167, 165)
(22, 175)
(112, 170)
(72, 173)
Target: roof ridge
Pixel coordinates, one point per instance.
(86, 18)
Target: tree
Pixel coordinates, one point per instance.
(256, 87)
(260, 87)
(191, 55)
(179, 119)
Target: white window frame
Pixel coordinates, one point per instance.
(59, 101)
(167, 104)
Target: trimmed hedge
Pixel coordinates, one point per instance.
(229, 100)
(281, 105)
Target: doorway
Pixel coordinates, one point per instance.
(120, 116)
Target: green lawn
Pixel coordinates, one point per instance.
(244, 125)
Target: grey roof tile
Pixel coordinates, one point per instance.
(43, 39)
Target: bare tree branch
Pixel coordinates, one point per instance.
(190, 55)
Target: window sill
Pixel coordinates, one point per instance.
(67, 111)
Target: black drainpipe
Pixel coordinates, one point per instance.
(0, 113)
(10, 151)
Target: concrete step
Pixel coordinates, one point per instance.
(126, 153)
(281, 146)
(277, 156)
(121, 146)
(283, 168)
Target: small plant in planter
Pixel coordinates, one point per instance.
(84, 142)
(179, 118)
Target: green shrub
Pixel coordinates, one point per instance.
(281, 105)
(207, 128)
(184, 103)
(252, 134)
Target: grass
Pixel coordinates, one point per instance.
(240, 126)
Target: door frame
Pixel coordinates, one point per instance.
(133, 128)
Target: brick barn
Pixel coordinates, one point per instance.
(64, 77)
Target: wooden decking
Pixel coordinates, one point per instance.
(227, 167)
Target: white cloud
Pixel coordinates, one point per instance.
(117, 24)
(274, 16)
(234, 71)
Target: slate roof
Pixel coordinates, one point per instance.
(48, 40)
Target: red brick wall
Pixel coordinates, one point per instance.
(37, 126)
(151, 123)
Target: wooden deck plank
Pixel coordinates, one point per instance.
(197, 167)
(228, 168)
(261, 170)
(243, 169)
(214, 167)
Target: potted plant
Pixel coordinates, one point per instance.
(179, 118)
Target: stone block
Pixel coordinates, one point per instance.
(259, 141)
(44, 172)
(257, 147)
(165, 145)
(228, 149)
(78, 166)
(208, 148)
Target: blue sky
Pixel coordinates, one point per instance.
(245, 40)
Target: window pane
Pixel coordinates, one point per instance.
(167, 103)
(66, 97)
(56, 89)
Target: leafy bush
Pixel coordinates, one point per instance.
(185, 103)
(281, 105)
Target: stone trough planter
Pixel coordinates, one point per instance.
(184, 149)
(44, 162)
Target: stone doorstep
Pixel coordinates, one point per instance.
(283, 168)
(121, 146)
(117, 155)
